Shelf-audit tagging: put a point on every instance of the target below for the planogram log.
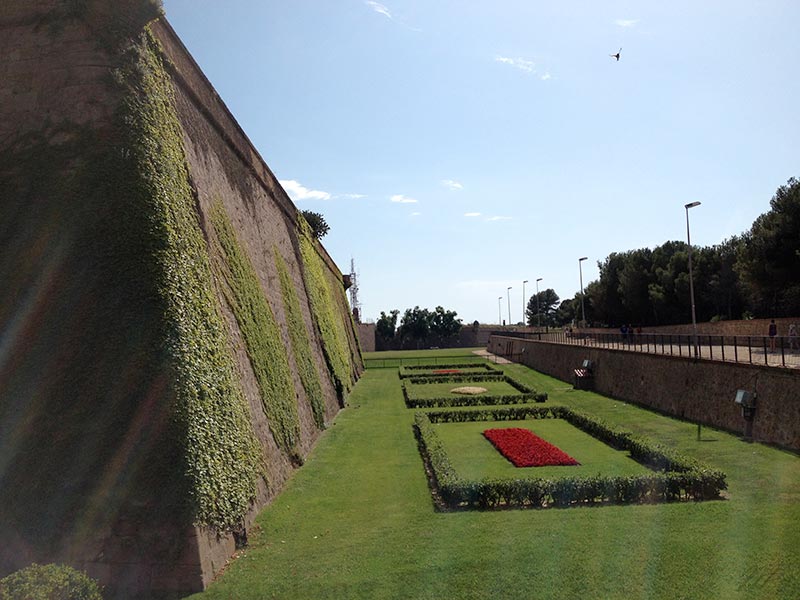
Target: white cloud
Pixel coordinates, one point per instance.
(402, 199)
(298, 192)
(520, 63)
(352, 196)
(379, 8)
(546, 76)
(416, 214)
(498, 218)
(452, 185)
(626, 22)
(472, 214)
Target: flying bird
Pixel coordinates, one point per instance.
(616, 55)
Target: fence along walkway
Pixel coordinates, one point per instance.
(780, 351)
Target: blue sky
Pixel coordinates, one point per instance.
(457, 148)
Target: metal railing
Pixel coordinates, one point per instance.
(777, 351)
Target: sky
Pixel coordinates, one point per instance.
(457, 148)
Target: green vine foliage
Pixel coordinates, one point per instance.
(301, 344)
(221, 455)
(262, 336)
(326, 299)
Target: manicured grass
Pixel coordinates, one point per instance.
(474, 457)
(397, 358)
(424, 354)
(441, 390)
(357, 521)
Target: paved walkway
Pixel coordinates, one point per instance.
(492, 357)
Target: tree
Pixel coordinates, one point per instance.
(542, 308)
(316, 221)
(415, 324)
(386, 325)
(769, 257)
(444, 323)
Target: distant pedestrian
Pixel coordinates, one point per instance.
(793, 344)
(773, 333)
(624, 331)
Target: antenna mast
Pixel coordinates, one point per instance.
(355, 305)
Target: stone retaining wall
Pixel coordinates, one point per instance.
(701, 391)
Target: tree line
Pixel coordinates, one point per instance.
(755, 274)
(421, 326)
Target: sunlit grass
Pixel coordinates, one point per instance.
(357, 521)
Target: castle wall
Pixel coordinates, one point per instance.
(93, 454)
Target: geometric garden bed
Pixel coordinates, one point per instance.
(439, 391)
(670, 476)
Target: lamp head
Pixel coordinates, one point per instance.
(692, 205)
(539, 279)
(584, 258)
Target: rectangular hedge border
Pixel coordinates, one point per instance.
(527, 394)
(406, 372)
(677, 477)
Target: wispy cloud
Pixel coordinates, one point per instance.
(298, 192)
(498, 218)
(452, 185)
(520, 63)
(415, 214)
(402, 199)
(472, 214)
(384, 10)
(352, 196)
(546, 76)
(379, 8)
(626, 22)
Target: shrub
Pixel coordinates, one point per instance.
(678, 477)
(49, 582)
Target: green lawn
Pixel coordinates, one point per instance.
(442, 390)
(474, 457)
(357, 521)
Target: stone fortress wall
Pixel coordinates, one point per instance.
(155, 273)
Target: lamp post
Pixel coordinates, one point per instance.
(523, 301)
(499, 312)
(538, 311)
(508, 294)
(691, 282)
(580, 273)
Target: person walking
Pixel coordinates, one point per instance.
(773, 333)
(793, 337)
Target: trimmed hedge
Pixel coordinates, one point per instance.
(465, 378)
(405, 372)
(49, 582)
(678, 478)
(525, 396)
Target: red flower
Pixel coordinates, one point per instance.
(524, 449)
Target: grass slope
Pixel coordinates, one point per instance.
(357, 522)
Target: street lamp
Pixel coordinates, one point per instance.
(523, 301)
(499, 311)
(580, 273)
(538, 312)
(508, 294)
(691, 283)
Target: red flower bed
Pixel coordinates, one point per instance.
(524, 449)
(446, 371)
